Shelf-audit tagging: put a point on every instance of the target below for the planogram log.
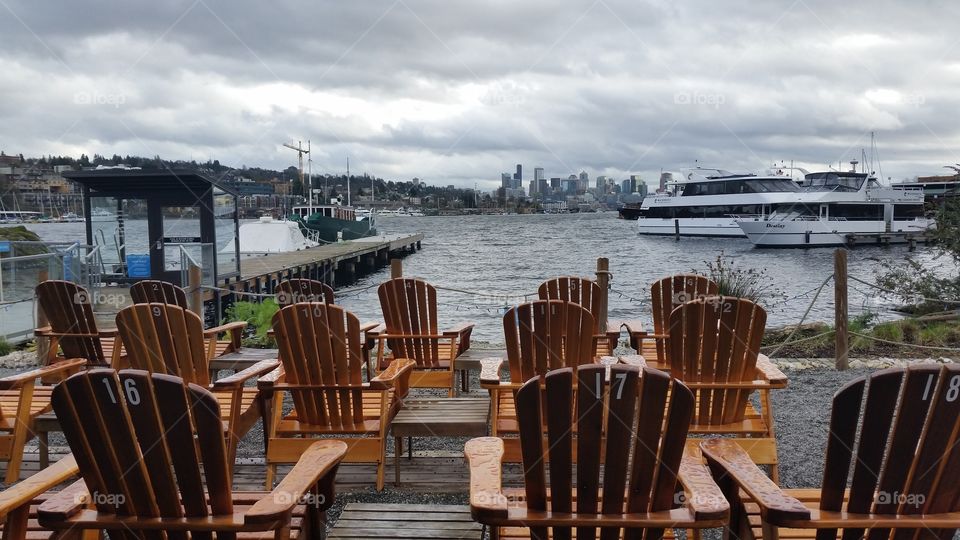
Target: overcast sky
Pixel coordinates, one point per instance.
(456, 92)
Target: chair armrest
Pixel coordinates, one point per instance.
(229, 327)
(237, 379)
(271, 378)
(769, 371)
(728, 459)
(320, 459)
(459, 329)
(490, 370)
(382, 337)
(43, 331)
(25, 491)
(487, 502)
(633, 360)
(703, 496)
(398, 371)
(370, 326)
(14, 381)
(64, 504)
(633, 326)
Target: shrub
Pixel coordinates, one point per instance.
(259, 315)
(934, 335)
(751, 283)
(5, 347)
(891, 331)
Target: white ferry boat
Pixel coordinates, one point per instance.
(710, 201)
(832, 206)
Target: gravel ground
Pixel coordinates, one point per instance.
(801, 412)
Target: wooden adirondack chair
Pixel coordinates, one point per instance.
(298, 290)
(666, 295)
(154, 291)
(21, 402)
(19, 502)
(540, 336)
(72, 326)
(715, 351)
(154, 465)
(628, 451)
(903, 454)
(320, 348)
(412, 331)
(588, 294)
(164, 338)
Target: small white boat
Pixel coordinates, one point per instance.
(268, 235)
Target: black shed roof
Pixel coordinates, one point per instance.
(146, 181)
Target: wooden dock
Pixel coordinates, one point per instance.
(335, 264)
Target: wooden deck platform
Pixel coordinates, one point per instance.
(395, 521)
(335, 264)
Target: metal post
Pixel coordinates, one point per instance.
(840, 308)
(195, 277)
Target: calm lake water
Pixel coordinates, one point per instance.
(509, 256)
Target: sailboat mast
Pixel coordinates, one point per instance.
(309, 180)
(348, 182)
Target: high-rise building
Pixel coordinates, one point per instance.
(533, 188)
(505, 181)
(542, 186)
(601, 184)
(519, 174)
(555, 183)
(538, 173)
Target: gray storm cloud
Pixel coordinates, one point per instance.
(455, 92)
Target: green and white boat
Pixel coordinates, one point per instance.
(334, 222)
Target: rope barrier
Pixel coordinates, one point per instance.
(899, 343)
(804, 317)
(801, 340)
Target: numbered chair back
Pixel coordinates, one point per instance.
(147, 446)
(165, 338)
(155, 291)
(69, 310)
(409, 309)
(892, 464)
(297, 290)
(904, 452)
(670, 293)
(714, 344)
(581, 291)
(547, 334)
(612, 448)
(320, 348)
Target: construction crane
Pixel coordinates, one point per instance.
(309, 185)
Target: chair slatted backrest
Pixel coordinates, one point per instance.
(409, 308)
(578, 290)
(146, 445)
(320, 349)
(669, 293)
(298, 290)
(903, 453)
(547, 334)
(717, 340)
(164, 338)
(630, 433)
(154, 290)
(68, 308)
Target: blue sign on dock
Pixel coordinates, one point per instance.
(138, 266)
(5, 246)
